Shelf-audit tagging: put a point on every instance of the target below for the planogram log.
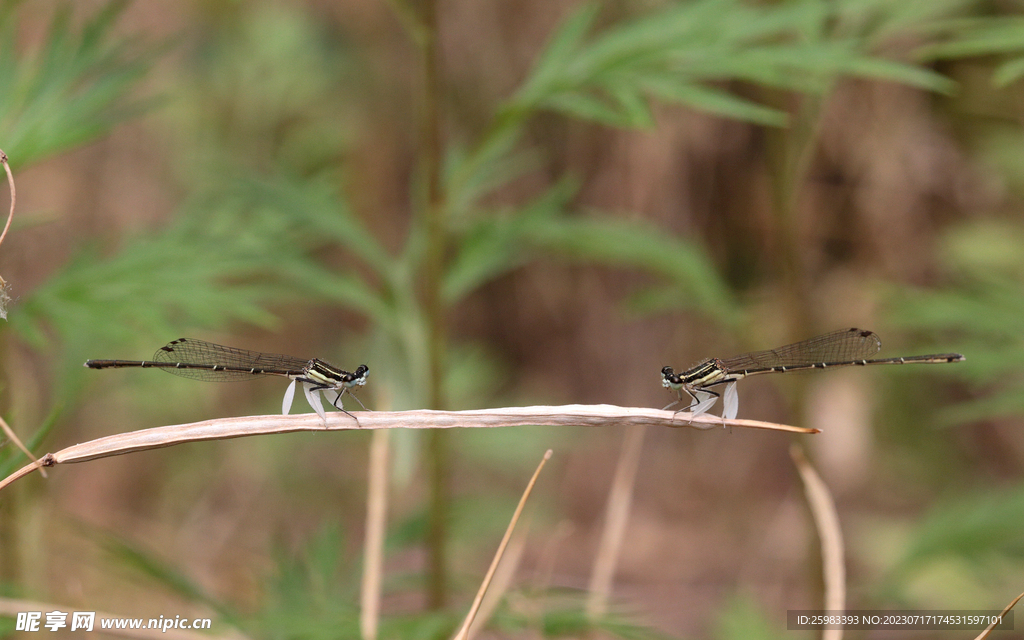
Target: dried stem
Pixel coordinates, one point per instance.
(225, 428)
(598, 415)
(620, 497)
(18, 443)
(988, 630)
(823, 508)
(376, 516)
(14, 196)
(4, 297)
(501, 582)
(464, 631)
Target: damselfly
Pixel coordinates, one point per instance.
(843, 348)
(213, 362)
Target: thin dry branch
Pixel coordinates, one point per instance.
(4, 297)
(502, 580)
(620, 498)
(9, 432)
(468, 622)
(14, 196)
(988, 630)
(598, 415)
(373, 546)
(823, 508)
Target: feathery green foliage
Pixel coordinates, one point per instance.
(984, 308)
(72, 89)
(985, 36)
(675, 54)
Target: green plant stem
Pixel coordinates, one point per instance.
(435, 310)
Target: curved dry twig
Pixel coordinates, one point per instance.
(14, 195)
(823, 509)
(598, 415)
(988, 630)
(4, 297)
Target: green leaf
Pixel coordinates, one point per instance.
(494, 163)
(1008, 72)
(559, 52)
(624, 243)
(596, 108)
(982, 309)
(980, 37)
(978, 529)
(879, 20)
(881, 69)
(672, 54)
(70, 90)
(719, 102)
(983, 36)
(497, 244)
(500, 243)
(151, 288)
(313, 208)
(347, 290)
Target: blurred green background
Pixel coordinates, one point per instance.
(506, 203)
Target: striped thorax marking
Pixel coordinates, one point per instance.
(320, 372)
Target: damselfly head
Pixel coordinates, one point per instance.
(668, 377)
(360, 375)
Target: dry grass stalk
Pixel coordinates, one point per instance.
(502, 580)
(4, 297)
(600, 415)
(373, 545)
(9, 432)
(620, 498)
(988, 630)
(463, 633)
(823, 509)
